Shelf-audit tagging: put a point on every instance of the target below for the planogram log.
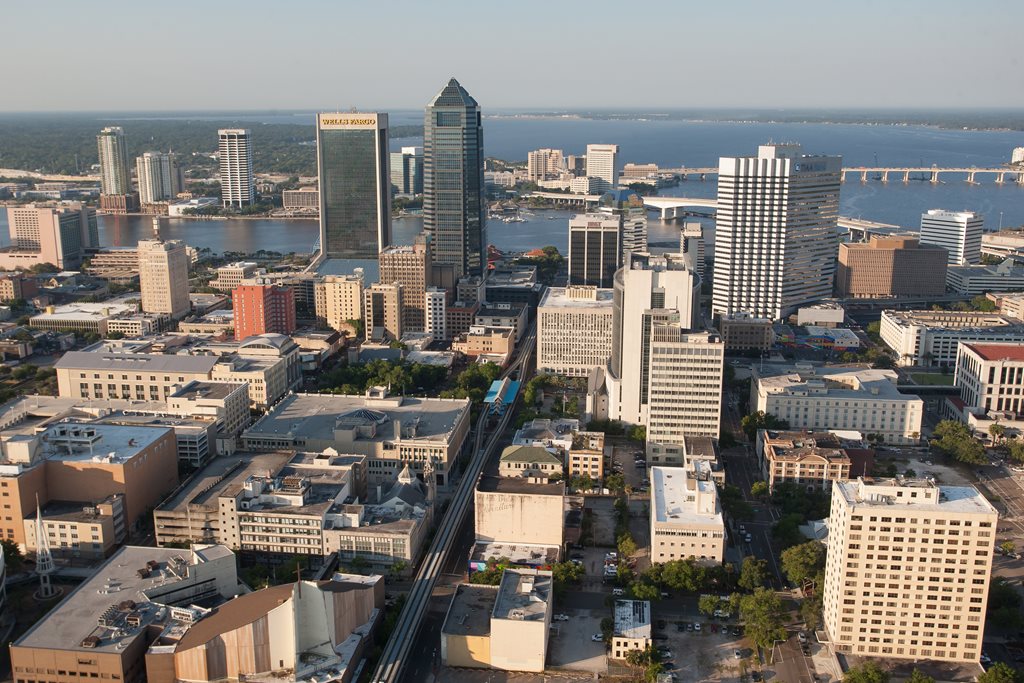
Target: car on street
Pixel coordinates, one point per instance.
(748, 538)
(597, 638)
(756, 676)
(689, 627)
(681, 627)
(665, 654)
(985, 659)
(561, 617)
(618, 591)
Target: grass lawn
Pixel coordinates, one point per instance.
(933, 378)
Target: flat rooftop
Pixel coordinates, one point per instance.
(832, 381)
(315, 416)
(223, 472)
(491, 484)
(136, 362)
(529, 555)
(101, 443)
(523, 595)
(201, 390)
(469, 613)
(557, 297)
(118, 580)
(703, 447)
(996, 352)
(914, 494)
(677, 498)
(632, 619)
(955, 320)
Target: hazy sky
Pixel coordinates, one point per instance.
(553, 54)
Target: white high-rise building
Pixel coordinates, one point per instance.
(958, 232)
(159, 177)
(543, 164)
(237, 187)
(648, 290)
(684, 395)
(908, 569)
(163, 277)
(435, 303)
(776, 238)
(115, 177)
(601, 164)
(574, 330)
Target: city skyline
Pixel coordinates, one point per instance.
(888, 69)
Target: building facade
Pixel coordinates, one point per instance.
(544, 164)
(407, 171)
(744, 332)
(684, 384)
(908, 569)
(355, 184)
(46, 234)
(263, 309)
(339, 300)
(454, 209)
(775, 231)
(811, 460)
(990, 377)
(382, 312)
(159, 176)
(595, 249)
(602, 163)
(686, 517)
(891, 266)
(115, 174)
(411, 267)
(574, 330)
(933, 337)
(163, 277)
(237, 182)
(958, 232)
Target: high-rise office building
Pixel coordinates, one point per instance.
(163, 277)
(436, 303)
(262, 309)
(685, 380)
(237, 185)
(49, 234)
(159, 176)
(691, 245)
(407, 171)
(601, 164)
(454, 209)
(355, 184)
(115, 176)
(958, 232)
(648, 290)
(410, 266)
(628, 209)
(339, 300)
(382, 312)
(775, 232)
(595, 249)
(908, 569)
(543, 164)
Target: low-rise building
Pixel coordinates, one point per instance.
(932, 337)
(821, 398)
(510, 315)
(686, 517)
(574, 330)
(811, 460)
(529, 461)
(82, 318)
(495, 344)
(744, 332)
(632, 628)
(586, 455)
(76, 530)
(519, 511)
(219, 322)
(304, 199)
(230, 276)
(990, 377)
(1007, 276)
(500, 627)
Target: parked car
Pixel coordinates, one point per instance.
(597, 638)
(561, 617)
(737, 654)
(696, 627)
(618, 591)
(802, 637)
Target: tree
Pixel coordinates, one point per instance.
(615, 482)
(566, 572)
(956, 440)
(787, 530)
(638, 433)
(759, 489)
(642, 590)
(1004, 604)
(804, 561)
(884, 362)
(764, 615)
(1008, 547)
(709, 604)
(761, 420)
(13, 557)
(753, 573)
(1015, 449)
(868, 672)
(626, 546)
(810, 609)
(996, 431)
(1000, 673)
(918, 676)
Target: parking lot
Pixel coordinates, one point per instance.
(570, 645)
(709, 654)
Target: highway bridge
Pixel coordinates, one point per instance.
(394, 657)
(932, 173)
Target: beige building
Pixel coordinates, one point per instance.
(908, 569)
(574, 330)
(686, 517)
(306, 199)
(496, 343)
(586, 455)
(519, 511)
(744, 332)
(409, 266)
(632, 628)
(230, 276)
(812, 460)
(529, 461)
(139, 376)
(891, 266)
(990, 377)
(339, 299)
(500, 627)
(82, 531)
(932, 337)
(47, 234)
(163, 277)
(382, 311)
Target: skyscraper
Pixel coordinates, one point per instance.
(159, 177)
(544, 163)
(236, 179)
(601, 164)
(454, 210)
(355, 185)
(114, 174)
(407, 171)
(775, 233)
(163, 277)
(595, 249)
(958, 232)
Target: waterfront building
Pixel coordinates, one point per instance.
(355, 184)
(116, 194)
(237, 183)
(407, 171)
(909, 523)
(544, 164)
(574, 330)
(410, 266)
(595, 249)
(958, 232)
(1003, 243)
(891, 266)
(686, 517)
(846, 398)
(159, 177)
(634, 172)
(339, 300)
(163, 277)
(1007, 276)
(601, 163)
(775, 231)
(263, 309)
(382, 312)
(306, 199)
(931, 337)
(454, 209)
(46, 234)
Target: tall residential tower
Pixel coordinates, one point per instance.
(454, 210)
(355, 184)
(116, 194)
(159, 176)
(237, 188)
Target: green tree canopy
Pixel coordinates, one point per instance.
(764, 615)
(761, 420)
(868, 672)
(804, 561)
(956, 440)
(918, 676)
(753, 573)
(1000, 673)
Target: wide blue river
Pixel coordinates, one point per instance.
(670, 144)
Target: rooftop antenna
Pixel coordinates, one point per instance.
(44, 559)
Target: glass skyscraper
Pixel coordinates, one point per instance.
(454, 210)
(355, 184)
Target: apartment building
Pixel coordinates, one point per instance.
(574, 330)
(811, 460)
(686, 517)
(908, 569)
(933, 337)
(263, 309)
(409, 266)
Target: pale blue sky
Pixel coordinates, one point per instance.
(553, 54)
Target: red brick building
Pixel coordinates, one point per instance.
(262, 309)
